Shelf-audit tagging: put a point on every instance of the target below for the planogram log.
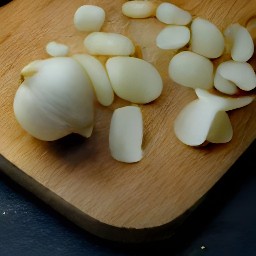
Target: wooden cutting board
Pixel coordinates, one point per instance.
(78, 177)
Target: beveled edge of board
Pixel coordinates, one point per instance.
(86, 222)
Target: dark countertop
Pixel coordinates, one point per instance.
(224, 224)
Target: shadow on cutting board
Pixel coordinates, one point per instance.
(29, 227)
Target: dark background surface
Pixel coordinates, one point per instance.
(225, 223)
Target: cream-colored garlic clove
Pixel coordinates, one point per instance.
(55, 99)
(102, 43)
(173, 37)
(206, 39)
(89, 18)
(221, 130)
(99, 78)
(240, 42)
(193, 123)
(171, 14)
(191, 70)
(126, 134)
(240, 74)
(223, 103)
(139, 9)
(55, 49)
(134, 79)
(223, 85)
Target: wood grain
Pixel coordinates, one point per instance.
(77, 176)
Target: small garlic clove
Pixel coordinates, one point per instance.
(139, 9)
(89, 18)
(126, 134)
(240, 41)
(171, 14)
(56, 100)
(55, 49)
(134, 79)
(173, 37)
(193, 123)
(30, 69)
(223, 103)
(221, 130)
(206, 39)
(239, 73)
(102, 43)
(99, 78)
(223, 85)
(191, 70)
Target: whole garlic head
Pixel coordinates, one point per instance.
(55, 99)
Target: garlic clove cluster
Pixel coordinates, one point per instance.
(55, 99)
(205, 119)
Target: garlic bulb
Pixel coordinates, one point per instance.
(55, 99)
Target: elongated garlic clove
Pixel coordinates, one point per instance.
(223, 103)
(126, 134)
(240, 41)
(139, 9)
(221, 130)
(223, 85)
(206, 39)
(55, 49)
(193, 123)
(99, 78)
(56, 100)
(191, 70)
(134, 79)
(89, 18)
(173, 37)
(102, 43)
(171, 14)
(239, 73)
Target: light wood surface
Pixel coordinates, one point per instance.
(77, 176)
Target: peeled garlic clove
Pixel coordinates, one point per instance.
(126, 134)
(173, 37)
(191, 70)
(102, 43)
(239, 73)
(221, 130)
(171, 14)
(55, 49)
(89, 18)
(139, 9)
(222, 103)
(240, 41)
(206, 39)
(55, 99)
(223, 85)
(193, 123)
(98, 76)
(134, 79)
